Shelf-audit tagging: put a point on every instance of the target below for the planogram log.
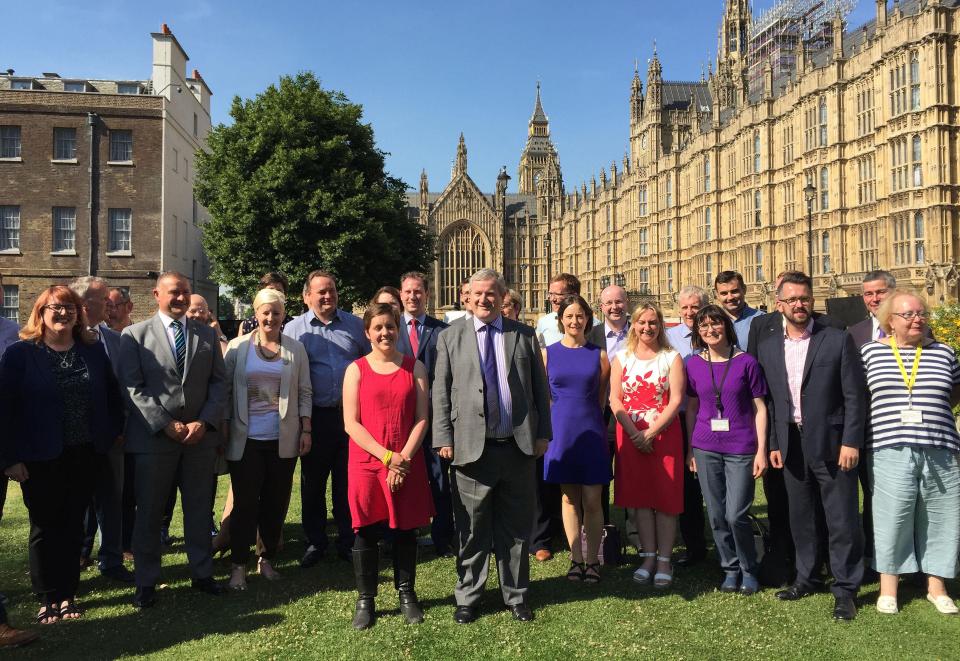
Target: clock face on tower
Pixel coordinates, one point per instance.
(643, 141)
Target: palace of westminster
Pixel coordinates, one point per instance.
(808, 146)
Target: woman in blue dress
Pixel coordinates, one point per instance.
(578, 458)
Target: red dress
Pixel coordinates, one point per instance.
(388, 408)
(654, 480)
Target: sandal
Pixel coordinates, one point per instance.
(662, 580)
(69, 610)
(591, 574)
(265, 569)
(576, 571)
(48, 614)
(238, 578)
(642, 575)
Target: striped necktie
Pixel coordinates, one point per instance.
(180, 345)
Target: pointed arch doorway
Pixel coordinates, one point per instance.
(463, 251)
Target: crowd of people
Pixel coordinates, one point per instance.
(491, 433)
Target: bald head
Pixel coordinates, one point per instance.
(199, 309)
(613, 305)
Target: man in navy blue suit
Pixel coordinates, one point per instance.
(418, 338)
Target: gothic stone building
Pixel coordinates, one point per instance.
(843, 161)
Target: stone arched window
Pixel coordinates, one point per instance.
(463, 252)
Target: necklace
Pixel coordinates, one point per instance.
(266, 354)
(64, 357)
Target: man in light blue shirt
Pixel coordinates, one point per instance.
(731, 294)
(334, 338)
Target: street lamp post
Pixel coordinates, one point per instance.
(809, 194)
(547, 242)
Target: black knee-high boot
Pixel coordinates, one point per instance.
(405, 576)
(366, 563)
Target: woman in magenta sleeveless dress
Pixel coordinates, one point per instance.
(385, 415)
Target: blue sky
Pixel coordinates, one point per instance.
(423, 70)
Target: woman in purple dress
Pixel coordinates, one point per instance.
(578, 458)
(727, 419)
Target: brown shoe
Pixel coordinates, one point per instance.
(543, 555)
(10, 637)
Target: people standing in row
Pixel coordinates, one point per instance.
(727, 427)
(493, 442)
(385, 413)
(62, 411)
(912, 450)
(419, 333)
(333, 338)
(817, 409)
(578, 458)
(172, 369)
(647, 382)
(690, 300)
(269, 401)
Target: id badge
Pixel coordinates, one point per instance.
(911, 417)
(719, 424)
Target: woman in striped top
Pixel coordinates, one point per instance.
(912, 453)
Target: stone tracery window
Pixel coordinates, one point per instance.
(463, 253)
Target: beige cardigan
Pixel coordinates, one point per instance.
(294, 387)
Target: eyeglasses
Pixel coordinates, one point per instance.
(61, 309)
(913, 314)
(707, 325)
(806, 300)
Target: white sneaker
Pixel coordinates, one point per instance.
(944, 604)
(887, 605)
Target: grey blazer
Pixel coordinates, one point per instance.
(296, 395)
(458, 420)
(156, 394)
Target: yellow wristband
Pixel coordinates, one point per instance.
(387, 456)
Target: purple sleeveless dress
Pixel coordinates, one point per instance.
(578, 452)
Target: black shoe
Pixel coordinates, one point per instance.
(365, 614)
(410, 607)
(521, 613)
(118, 573)
(465, 614)
(145, 596)
(311, 557)
(165, 537)
(689, 559)
(844, 608)
(207, 585)
(444, 552)
(793, 593)
(366, 565)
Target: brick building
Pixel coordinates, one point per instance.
(96, 178)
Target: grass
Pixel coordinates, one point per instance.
(307, 615)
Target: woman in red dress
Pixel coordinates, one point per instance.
(647, 381)
(385, 414)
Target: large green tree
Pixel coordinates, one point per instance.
(297, 183)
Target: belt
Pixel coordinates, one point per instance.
(491, 440)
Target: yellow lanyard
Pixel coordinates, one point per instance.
(912, 379)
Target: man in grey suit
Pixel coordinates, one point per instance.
(106, 509)
(172, 370)
(491, 411)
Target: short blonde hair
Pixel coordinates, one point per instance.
(662, 342)
(885, 311)
(269, 296)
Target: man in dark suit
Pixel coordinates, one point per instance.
(106, 509)
(817, 407)
(877, 285)
(491, 418)
(418, 339)
(173, 372)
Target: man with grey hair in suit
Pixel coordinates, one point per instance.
(491, 408)
(173, 373)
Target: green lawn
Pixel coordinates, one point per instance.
(308, 613)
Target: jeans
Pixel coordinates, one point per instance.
(727, 483)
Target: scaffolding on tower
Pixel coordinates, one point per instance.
(777, 34)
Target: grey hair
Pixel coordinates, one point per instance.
(269, 296)
(693, 290)
(886, 276)
(489, 274)
(80, 286)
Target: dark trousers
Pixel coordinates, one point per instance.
(327, 459)
(838, 491)
(441, 528)
(105, 513)
(546, 518)
(129, 506)
(56, 494)
(612, 446)
(692, 520)
(261, 490)
(171, 504)
(3, 500)
(867, 517)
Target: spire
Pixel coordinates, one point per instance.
(538, 114)
(461, 166)
(424, 185)
(636, 95)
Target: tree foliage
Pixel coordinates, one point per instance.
(297, 183)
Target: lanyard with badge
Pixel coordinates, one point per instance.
(719, 423)
(909, 416)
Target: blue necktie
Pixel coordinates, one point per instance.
(491, 383)
(180, 345)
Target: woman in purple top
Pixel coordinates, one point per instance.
(727, 423)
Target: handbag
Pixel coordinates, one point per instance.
(611, 549)
(761, 538)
